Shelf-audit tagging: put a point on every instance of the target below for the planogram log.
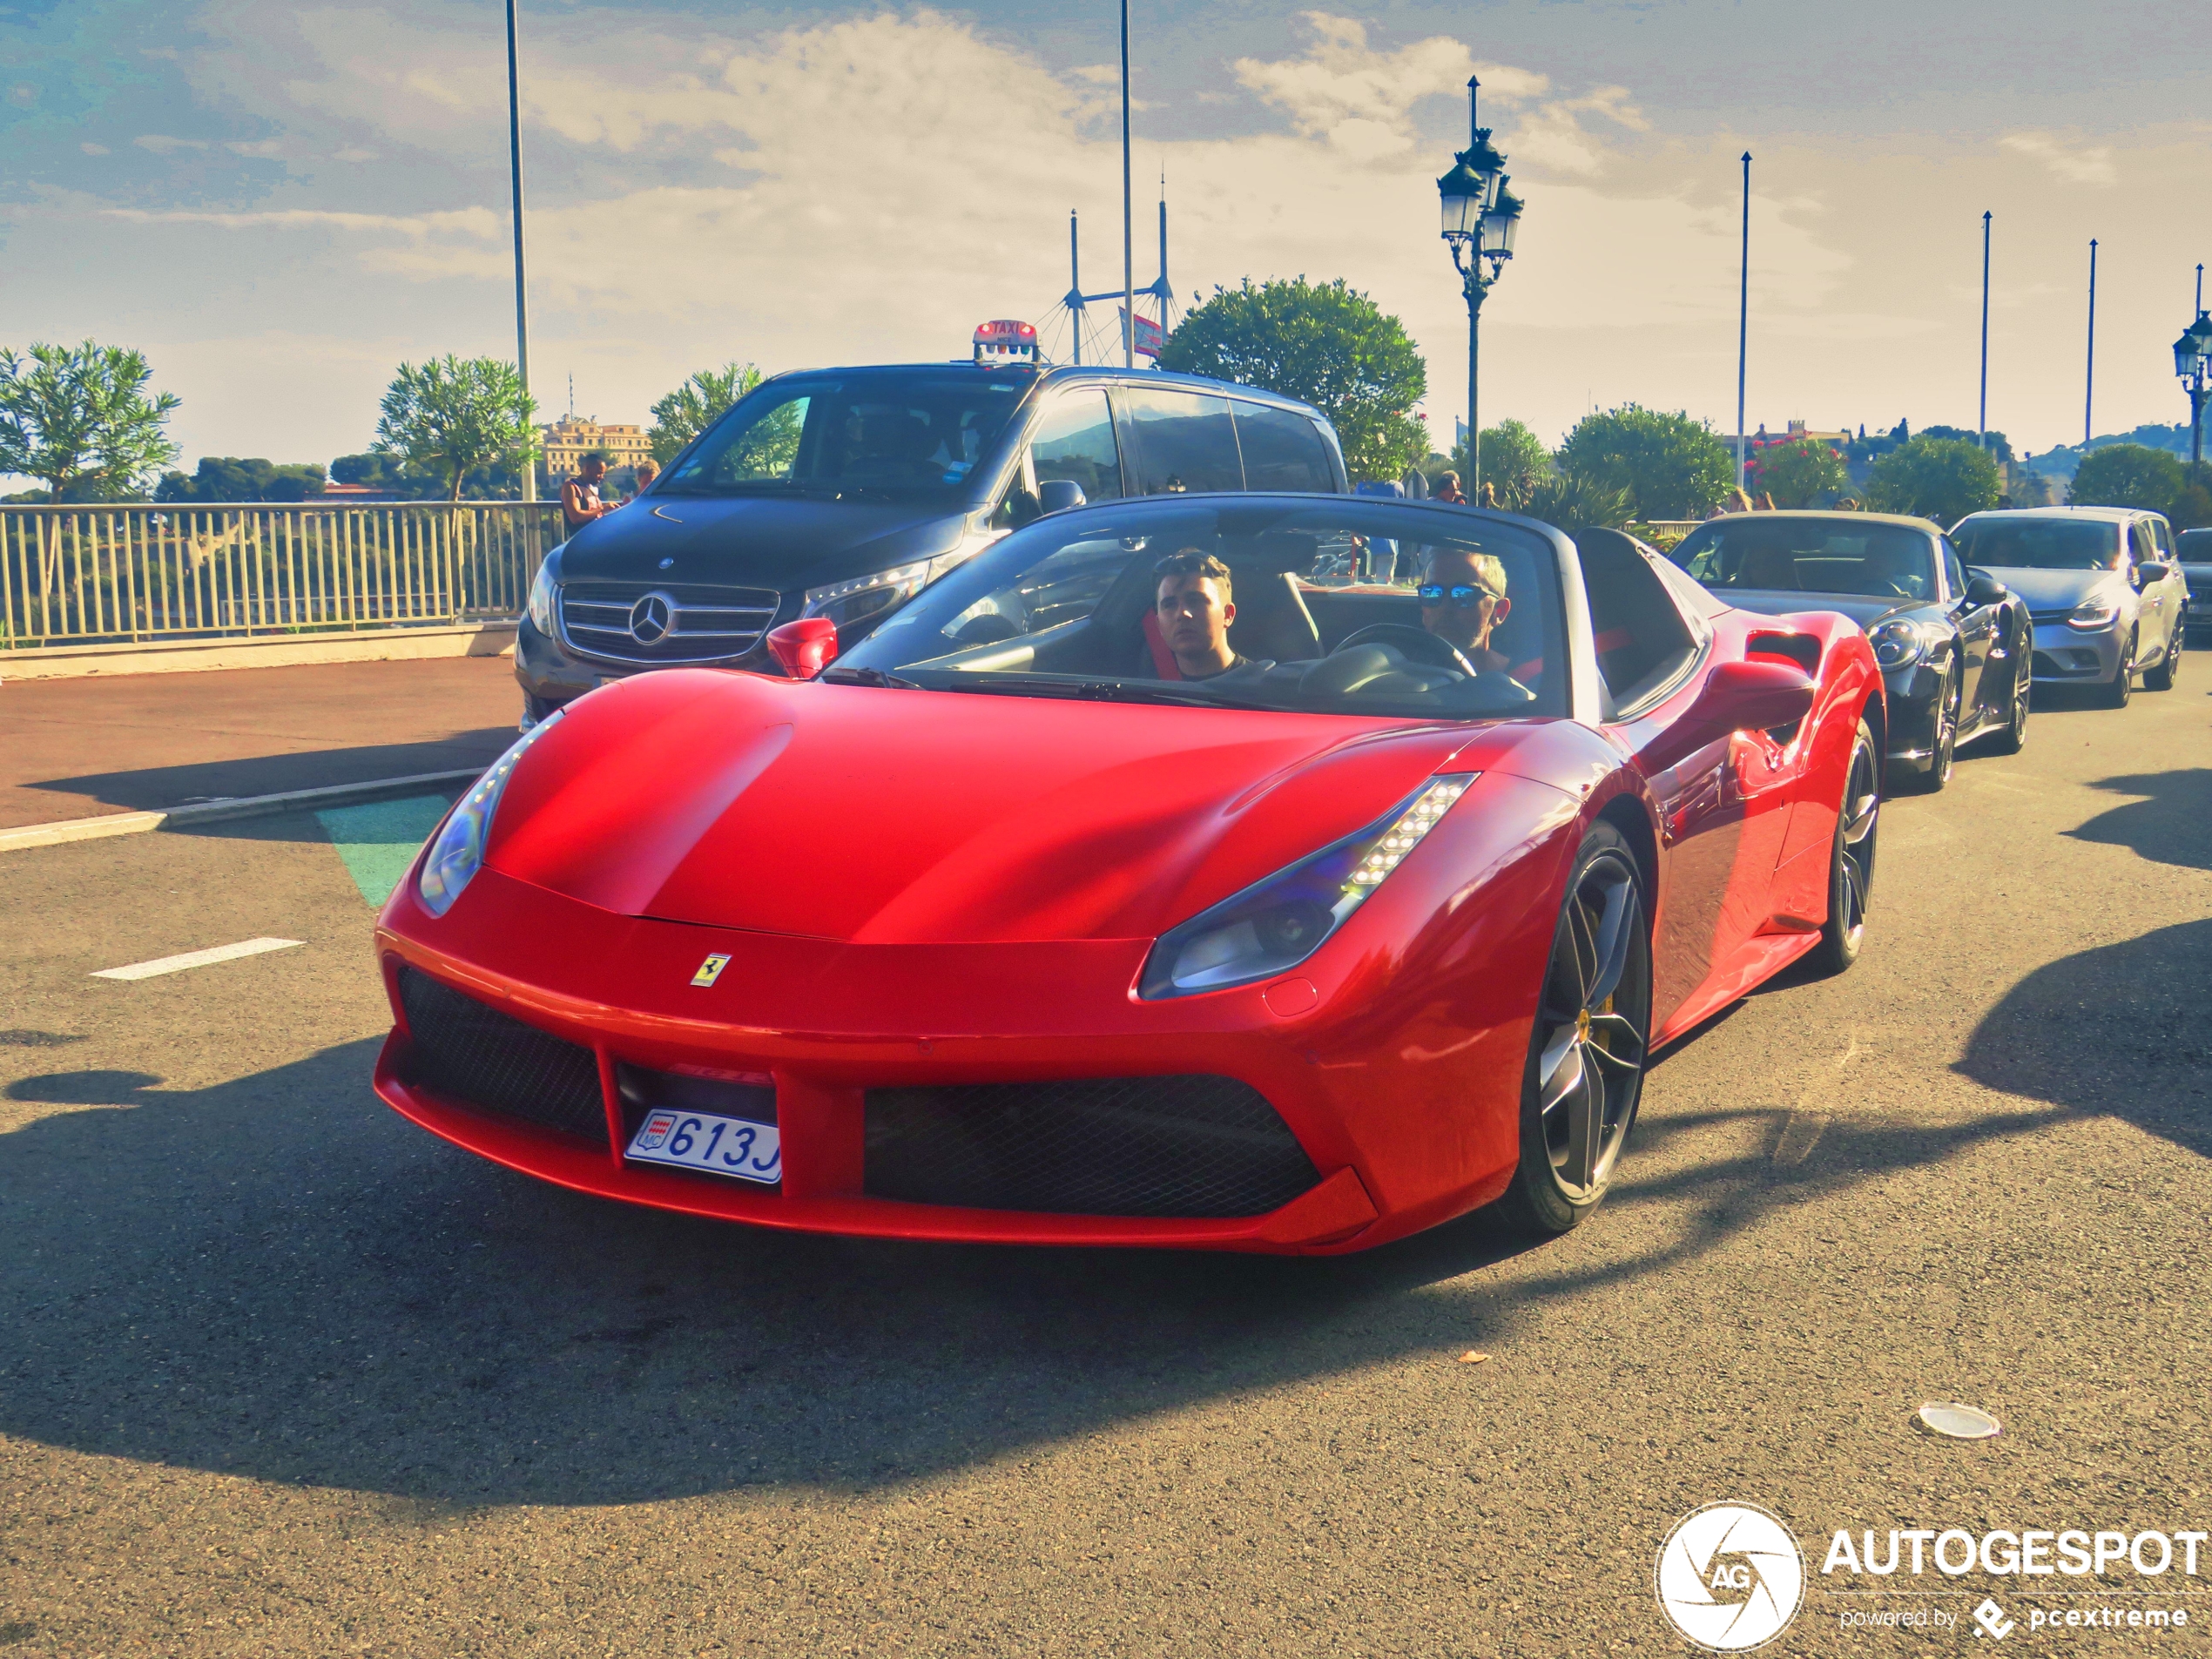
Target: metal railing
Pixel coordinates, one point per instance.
(97, 574)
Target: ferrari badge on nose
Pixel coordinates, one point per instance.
(711, 969)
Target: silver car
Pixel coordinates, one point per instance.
(2193, 549)
(2103, 588)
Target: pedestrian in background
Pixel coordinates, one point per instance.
(1382, 552)
(1447, 489)
(580, 501)
(647, 471)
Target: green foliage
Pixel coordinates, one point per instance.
(1798, 474)
(452, 415)
(1940, 478)
(1669, 465)
(1514, 461)
(2191, 507)
(78, 419)
(221, 478)
(1570, 501)
(695, 406)
(1324, 344)
(1998, 445)
(2128, 475)
(2030, 489)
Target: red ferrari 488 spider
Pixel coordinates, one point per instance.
(1148, 880)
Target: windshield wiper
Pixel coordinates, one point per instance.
(870, 676)
(1090, 691)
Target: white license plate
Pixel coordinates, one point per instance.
(733, 1146)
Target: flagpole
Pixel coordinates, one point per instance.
(1742, 319)
(1129, 225)
(522, 289)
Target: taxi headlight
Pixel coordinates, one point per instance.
(539, 607)
(1901, 642)
(2093, 614)
(457, 850)
(1277, 923)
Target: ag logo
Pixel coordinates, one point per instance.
(1731, 1577)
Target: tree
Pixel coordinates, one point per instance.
(2191, 507)
(695, 404)
(78, 419)
(2128, 475)
(1570, 501)
(1940, 478)
(1671, 465)
(1514, 461)
(451, 416)
(1324, 344)
(221, 478)
(1799, 473)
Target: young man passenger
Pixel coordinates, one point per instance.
(1192, 613)
(1463, 599)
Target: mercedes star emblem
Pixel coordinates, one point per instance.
(651, 617)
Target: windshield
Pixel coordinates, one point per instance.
(2038, 543)
(1251, 611)
(2195, 547)
(915, 434)
(1811, 556)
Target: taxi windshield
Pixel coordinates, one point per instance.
(1244, 603)
(901, 434)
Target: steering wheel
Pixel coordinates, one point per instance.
(1418, 644)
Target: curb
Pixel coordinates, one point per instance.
(215, 811)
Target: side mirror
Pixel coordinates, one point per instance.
(1058, 496)
(1022, 508)
(805, 647)
(1982, 589)
(1744, 697)
(2153, 570)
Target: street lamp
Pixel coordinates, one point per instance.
(1480, 216)
(2193, 362)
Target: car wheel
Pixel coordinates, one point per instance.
(1586, 1054)
(2013, 737)
(2116, 694)
(1943, 758)
(2162, 679)
(1850, 862)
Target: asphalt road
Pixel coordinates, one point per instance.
(280, 1375)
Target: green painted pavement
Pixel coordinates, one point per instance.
(379, 839)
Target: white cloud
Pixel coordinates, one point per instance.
(260, 147)
(92, 149)
(2068, 159)
(161, 144)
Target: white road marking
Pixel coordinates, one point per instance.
(196, 959)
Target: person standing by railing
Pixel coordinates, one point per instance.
(580, 501)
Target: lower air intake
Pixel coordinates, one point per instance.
(1189, 1146)
(475, 1055)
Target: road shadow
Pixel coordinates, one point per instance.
(279, 1279)
(2117, 1031)
(159, 788)
(2165, 823)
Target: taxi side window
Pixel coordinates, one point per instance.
(1185, 442)
(1281, 450)
(1074, 442)
(2139, 543)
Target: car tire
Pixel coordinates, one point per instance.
(2013, 737)
(1587, 1047)
(1943, 759)
(2162, 679)
(1850, 859)
(2115, 694)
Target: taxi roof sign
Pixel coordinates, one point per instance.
(1006, 340)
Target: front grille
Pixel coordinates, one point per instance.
(475, 1055)
(1192, 1146)
(704, 624)
(2045, 618)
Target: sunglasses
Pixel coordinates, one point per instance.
(1467, 598)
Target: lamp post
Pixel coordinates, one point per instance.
(2193, 362)
(1480, 216)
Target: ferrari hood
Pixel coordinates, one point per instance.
(887, 816)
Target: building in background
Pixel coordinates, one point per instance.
(568, 441)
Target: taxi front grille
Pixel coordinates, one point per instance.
(475, 1056)
(638, 622)
(1192, 1146)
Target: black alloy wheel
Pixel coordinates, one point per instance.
(1942, 754)
(1850, 868)
(2116, 695)
(1586, 1054)
(2162, 679)
(2013, 737)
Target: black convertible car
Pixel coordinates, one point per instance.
(1955, 645)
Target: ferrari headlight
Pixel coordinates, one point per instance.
(2093, 614)
(539, 607)
(458, 851)
(1901, 642)
(864, 597)
(1277, 923)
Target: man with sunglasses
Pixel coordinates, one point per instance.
(1463, 597)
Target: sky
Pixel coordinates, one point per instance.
(280, 202)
